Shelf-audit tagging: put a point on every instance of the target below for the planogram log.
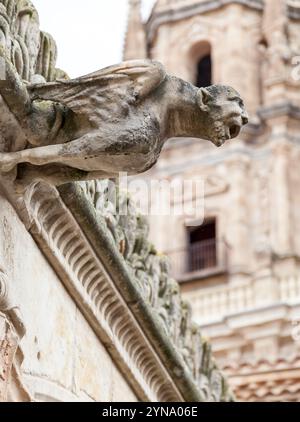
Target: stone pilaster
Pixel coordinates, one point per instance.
(280, 199)
(234, 67)
(277, 55)
(237, 233)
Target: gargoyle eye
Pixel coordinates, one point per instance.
(238, 100)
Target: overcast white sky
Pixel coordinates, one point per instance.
(89, 33)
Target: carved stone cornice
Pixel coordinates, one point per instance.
(187, 11)
(96, 294)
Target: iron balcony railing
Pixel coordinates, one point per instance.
(200, 256)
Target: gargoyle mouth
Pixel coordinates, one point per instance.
(234, 130)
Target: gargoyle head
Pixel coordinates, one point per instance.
(224, 110)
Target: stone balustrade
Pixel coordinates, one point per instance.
(213, 303)
(289, 289)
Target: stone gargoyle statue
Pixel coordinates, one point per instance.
(114, 120)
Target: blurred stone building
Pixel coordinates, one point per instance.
(240, 267)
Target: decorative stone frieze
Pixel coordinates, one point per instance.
(32, 52)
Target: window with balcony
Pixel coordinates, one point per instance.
(204, 254)
(202, 246)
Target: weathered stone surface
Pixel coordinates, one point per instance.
(95, 375)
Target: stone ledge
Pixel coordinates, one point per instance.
(285, 108)
(203, 274)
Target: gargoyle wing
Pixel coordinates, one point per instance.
(107, 93)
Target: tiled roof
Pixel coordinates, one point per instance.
(266, 380)
(269, 391)
(262, 365)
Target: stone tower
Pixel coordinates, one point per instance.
(135, 43)
(240, 268)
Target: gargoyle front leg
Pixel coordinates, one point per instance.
(56, 175)
(72, 154)
(38, 156)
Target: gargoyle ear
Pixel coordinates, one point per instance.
(204, 97)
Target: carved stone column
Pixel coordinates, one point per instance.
(277, 53)
(241, 70)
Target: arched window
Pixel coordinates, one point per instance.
(204, 77)
(201, 62)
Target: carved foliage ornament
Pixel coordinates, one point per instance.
(151, 272)
(32, 52)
